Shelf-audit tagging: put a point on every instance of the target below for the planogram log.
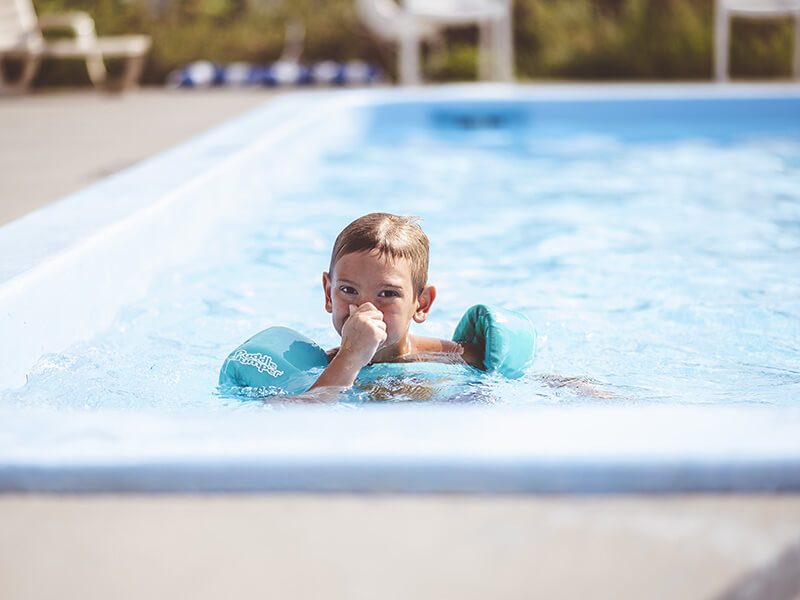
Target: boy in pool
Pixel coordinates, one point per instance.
(376, 284)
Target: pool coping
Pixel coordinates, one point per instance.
(408, 449)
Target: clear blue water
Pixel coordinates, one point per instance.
(657, 250)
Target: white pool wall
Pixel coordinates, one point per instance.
(67, 269)
(402, 449)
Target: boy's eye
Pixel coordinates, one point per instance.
(389, 294)
(346, 289)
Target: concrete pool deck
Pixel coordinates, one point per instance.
(343, 546)
(54, 144)
(397, 547)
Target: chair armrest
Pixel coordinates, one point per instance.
(79, 23)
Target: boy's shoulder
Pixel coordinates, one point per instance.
(425, 345)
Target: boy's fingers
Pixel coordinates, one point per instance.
(383, 339)
(375, 316)
(368, 309)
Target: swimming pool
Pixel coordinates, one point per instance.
(651, 233)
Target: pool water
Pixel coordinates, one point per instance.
(656, 249)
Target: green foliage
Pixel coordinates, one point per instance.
(576, 39)
(459, 62)
(762, 48)
(623, 39)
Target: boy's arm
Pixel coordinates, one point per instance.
(362, 334)
(340, 372)
(472, 354)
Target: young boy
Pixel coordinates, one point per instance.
(377, 283)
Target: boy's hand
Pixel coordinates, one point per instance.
(363, 333)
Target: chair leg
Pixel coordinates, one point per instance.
(409, 58)
(133, 71)
(721, 42)
(96, 69)
(504, 49)
(29, 71)
(293, 42)
(486, 52)
(30, 66)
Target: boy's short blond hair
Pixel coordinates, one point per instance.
(388, 235)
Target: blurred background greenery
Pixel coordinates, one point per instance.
(554, 39)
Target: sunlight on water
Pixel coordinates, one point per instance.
(662, 268)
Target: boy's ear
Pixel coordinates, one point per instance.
(424, 303)
(326, 286)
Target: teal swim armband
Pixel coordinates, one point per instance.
(508, 338)
(277, 357)
(282, 359)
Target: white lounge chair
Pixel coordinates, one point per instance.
(21, 37)
(414, 21)
(726, 9)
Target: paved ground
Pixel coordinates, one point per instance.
(389, 547)
(57, 143)
(283, 546)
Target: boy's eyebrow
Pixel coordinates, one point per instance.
(382, 284)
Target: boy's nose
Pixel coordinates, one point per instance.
(373, 301)
(376, 302)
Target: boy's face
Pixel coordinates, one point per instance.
(362, 277)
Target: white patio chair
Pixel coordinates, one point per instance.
(759, 9)
(414, 21)
(21, 37)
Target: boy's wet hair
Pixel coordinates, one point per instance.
(388, 235)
